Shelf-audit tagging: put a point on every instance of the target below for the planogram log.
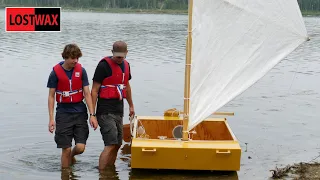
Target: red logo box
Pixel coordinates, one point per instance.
(30, 19)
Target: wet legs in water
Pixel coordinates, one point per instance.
(67, 156)
(108, 156)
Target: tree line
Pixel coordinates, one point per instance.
(305, 5)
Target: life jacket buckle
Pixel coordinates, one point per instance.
(65, 94)
(121, 86)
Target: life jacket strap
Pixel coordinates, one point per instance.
(119, 87)
(68, 93)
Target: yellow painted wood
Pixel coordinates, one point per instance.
(185, 155)
(217, 155)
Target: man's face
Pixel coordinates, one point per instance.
(71, 62)
(118, 59)
(119, 56)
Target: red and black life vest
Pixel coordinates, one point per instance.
(114, 86)
(69, 90)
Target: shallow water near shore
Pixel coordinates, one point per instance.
(277, 117)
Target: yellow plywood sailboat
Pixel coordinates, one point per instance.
(231, 44)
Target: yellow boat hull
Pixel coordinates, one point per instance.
(213, 147)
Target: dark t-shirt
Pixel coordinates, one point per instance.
(105, 106)
(68, 107)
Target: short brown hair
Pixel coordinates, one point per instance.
(119, 46)
(71, 51)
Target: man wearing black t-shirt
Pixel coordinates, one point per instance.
(110, 86)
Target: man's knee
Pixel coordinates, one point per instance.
(110, 147)
(114, 149)
(66, 151)
(80, 148)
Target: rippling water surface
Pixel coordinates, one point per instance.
(277, 117)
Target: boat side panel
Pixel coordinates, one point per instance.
(193, 155)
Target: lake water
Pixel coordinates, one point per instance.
(278, 117)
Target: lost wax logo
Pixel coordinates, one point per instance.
(29, 19)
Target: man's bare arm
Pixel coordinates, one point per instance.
(88, 99)
(51, 103)
(129, 96)
(94, 93)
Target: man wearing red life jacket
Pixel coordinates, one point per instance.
(68, 81)
(110, 86)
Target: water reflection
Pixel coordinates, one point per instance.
(109, 173)
(175, 174)
(68, 174)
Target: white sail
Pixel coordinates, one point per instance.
(234, 44)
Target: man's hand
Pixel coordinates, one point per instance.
(51, 126)
(93, 122)
(131, 111)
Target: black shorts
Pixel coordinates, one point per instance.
(111, 128)
(71, 126)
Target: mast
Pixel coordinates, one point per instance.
(187, 75)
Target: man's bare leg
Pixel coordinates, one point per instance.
(115, 153)
(107, 156)
(78, 149)
(65, 158)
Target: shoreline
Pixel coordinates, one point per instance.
(125, 11)
(137, 11)
(297, 171)
(111, 10)
(152, 11)
(301, 170)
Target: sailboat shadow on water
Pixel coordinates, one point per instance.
(182, 174)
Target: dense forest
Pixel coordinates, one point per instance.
(305, 5)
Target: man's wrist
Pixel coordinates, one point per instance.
(92, 114)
